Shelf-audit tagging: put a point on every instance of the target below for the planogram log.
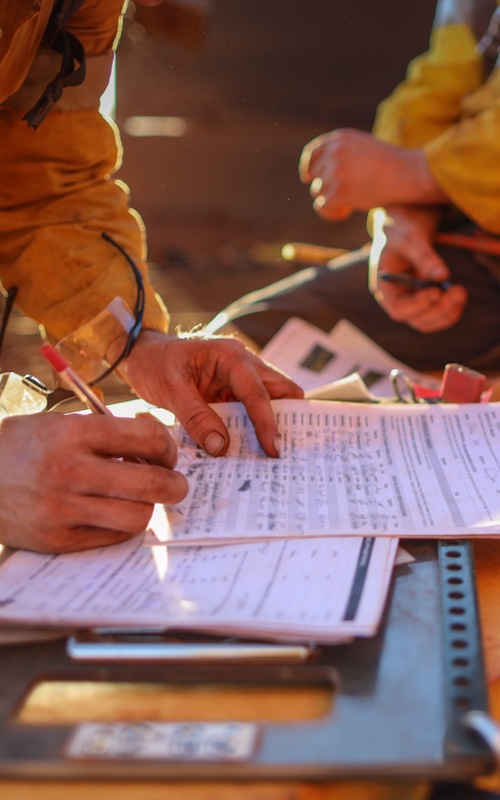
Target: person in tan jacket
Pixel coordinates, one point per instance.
(69, 245)
(429, 177)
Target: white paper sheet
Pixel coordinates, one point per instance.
(346, 469)
(321, 590)
(313, 358)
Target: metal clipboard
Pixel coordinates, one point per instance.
(402, 699)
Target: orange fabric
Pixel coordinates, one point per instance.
(57, 197)
(98, 25)
(22, 24)
(487, 557)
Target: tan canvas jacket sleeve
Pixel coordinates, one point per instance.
(446, 106)
(57, 193)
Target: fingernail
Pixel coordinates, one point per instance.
(214, 443)
(316, 185)
(277, 444)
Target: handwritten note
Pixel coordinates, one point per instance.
(345, 470)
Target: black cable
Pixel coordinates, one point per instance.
(9, 302)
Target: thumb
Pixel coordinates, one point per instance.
(203, 424)
(329, 210)
(428, 262)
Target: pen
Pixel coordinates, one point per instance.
(147, 650)
(77, 385)
(404, 279)
(73, 381)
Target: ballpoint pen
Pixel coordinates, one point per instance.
(73, 380)
(155, 644)
(404, 279)
(76, 384)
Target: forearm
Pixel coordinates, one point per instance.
(414, 183)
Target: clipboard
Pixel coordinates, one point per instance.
(400, 709)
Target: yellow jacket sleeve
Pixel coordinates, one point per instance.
(429, 101)
(445, 107)
(464, 159)
(57, 197)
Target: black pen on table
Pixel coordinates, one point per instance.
(77, 385)
(404, 279)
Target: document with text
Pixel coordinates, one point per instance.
(346, 469)
(313, 358)
(321, 590)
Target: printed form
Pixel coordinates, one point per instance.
(313, 358)
(346, 469)
(322, 590)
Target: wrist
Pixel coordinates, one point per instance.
(419, 185)
(135, 360)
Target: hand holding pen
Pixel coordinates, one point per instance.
(73, 381)
(69, 482)
(77, 385)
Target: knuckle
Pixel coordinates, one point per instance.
(258, 394)
(11, 423)
(74, 425)
(160, 443)
(177, 488)
(196, 423)
(61, 470)
(132, 517)
(157, 482)
(234, 346)
(140, 516)
(159, 438)
(50, 507)
(163, 486)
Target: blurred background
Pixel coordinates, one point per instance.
(215, 100)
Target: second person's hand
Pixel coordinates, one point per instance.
(350, 170)
(402, 245)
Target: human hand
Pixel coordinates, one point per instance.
(402, 243)
(350, 170)
(63, 486)
(185, 374)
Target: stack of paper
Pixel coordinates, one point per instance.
(296, 548)
(346, 469)
(289, 590)
(315, 359)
